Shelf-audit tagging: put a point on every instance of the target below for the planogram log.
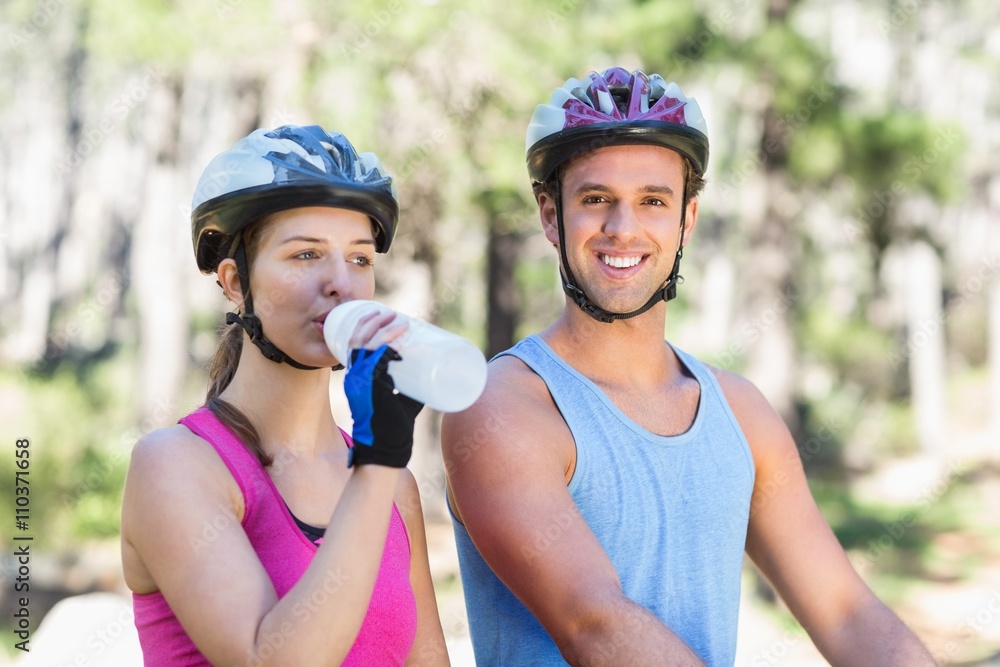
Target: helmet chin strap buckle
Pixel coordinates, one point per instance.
(581, 299)
(251, 324)
(665, 293)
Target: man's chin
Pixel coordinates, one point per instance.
(619, 303)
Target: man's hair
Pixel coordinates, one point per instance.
(693, 182)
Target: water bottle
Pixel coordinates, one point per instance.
(440, 369)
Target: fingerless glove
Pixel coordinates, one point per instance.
(383, 418)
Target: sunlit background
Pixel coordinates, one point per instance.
(847, 257)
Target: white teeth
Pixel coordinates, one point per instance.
(620, 262)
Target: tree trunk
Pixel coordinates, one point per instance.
(159, 244)
(770, 271)
(926, 346)
(994, 354)
(502, 252)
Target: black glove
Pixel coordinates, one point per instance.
(383, 418)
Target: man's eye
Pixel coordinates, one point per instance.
(594, 199)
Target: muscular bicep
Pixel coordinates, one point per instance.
(179, 519)
(506, 460)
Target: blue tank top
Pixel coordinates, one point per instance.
(670, 512)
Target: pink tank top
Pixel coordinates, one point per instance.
(390, 625)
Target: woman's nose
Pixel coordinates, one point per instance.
(335, 276)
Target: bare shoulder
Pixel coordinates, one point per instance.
(166, 446)
(174, 456)
(740, 392)
(174, 465)
(762, 425)
(514, 409)
(174, 477)
(511, 440)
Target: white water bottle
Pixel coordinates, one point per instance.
(440, 369)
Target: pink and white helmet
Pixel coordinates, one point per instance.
(614, 108)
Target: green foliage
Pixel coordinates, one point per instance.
(897, 545)
(539, 293)
(171, 33)
(79, 428)
(816, 154)
(859, 354)
(788, 62)
(904, 152)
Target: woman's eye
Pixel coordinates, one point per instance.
(363, 261)
(308, 254)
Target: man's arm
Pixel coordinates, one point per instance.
(792, 544)
(508, 459)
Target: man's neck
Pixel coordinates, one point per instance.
(631, 350)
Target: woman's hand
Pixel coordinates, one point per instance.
(383, 418)
(377, 329)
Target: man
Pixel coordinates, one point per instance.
(606, 484)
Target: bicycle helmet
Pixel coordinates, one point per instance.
(614, 108)
(269, 171)
(288, 167)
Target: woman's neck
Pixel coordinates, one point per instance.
(290, 408)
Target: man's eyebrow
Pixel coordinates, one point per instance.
(592, 187)
(658, 190)
(649, 189)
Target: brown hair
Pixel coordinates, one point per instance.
(227, 359)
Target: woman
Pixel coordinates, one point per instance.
(255, 532)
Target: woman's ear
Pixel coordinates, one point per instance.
(229, 279)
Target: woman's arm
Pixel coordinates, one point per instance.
(181, 520)
(429, 646)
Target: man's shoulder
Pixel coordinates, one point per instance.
(513, 392)
(760, 422)
(515, 410)
(733, 385)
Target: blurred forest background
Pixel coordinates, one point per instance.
(847, 258)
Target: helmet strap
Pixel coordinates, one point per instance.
(666, 292)
(249, 320)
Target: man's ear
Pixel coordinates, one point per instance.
(690, 219)
(547, 213)
(229, 279)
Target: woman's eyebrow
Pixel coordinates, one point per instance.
(313, 239)
(303, 239)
